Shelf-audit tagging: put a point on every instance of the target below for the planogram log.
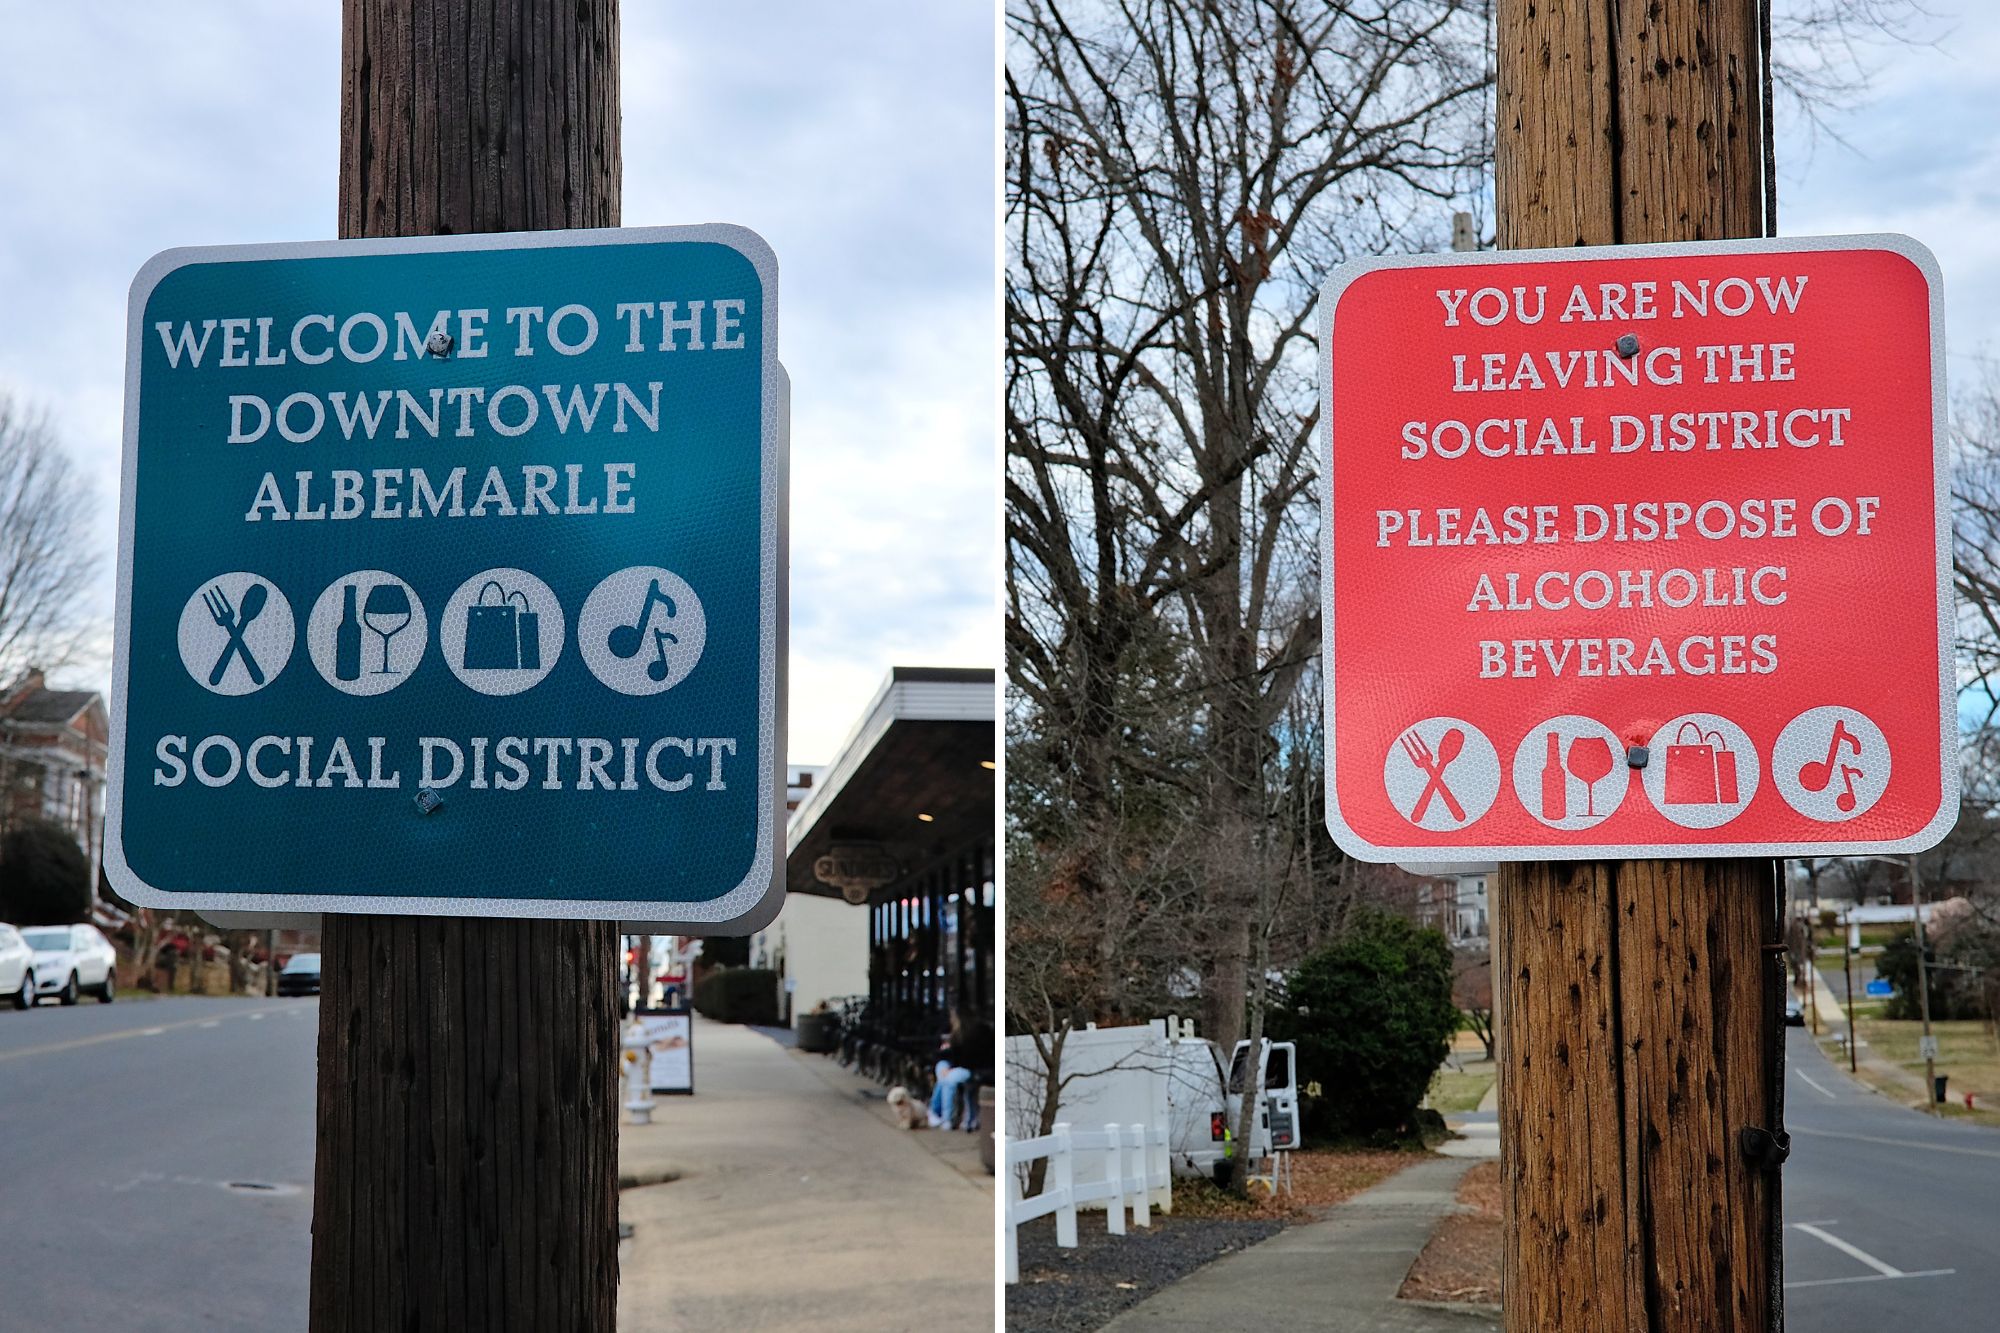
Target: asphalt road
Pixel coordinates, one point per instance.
(1892, 1217)
(122, 1130)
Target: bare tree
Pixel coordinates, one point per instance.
(1181, 176)
(1825, 53)
(47, 563)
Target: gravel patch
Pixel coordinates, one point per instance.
(1072, 1291)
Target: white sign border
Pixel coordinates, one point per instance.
(1932, 833)
(755, 901)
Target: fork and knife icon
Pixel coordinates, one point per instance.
(1450, 745)
(234, 620)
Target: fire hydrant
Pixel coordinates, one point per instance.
(638, 1070)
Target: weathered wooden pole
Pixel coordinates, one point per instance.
(466, 1169)
(1640, 1003)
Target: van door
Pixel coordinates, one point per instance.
(1239, 1065)
(1277, 1124)
(1281, 1095)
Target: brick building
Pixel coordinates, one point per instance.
(53, 748)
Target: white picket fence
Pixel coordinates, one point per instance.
(1136, 1175)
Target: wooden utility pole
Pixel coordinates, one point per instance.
(466, 1169)
(1640, 1003)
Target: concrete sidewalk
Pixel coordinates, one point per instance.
(797, 1204)
(1884, 1074)
(1339, 1275)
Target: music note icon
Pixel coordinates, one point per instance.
(1817, 774)
(642, 630)
(626, 640)
(1848, 778)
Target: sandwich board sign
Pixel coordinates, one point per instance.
(1638, 551)
(669, 1036)
(452, 579)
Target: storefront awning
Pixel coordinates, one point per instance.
(923, 747)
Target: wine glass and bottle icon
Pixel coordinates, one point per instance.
(387, 612)
(1588, 758)
(381, 604)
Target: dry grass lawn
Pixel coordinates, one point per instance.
(1321, 1178)
(1461, 1264)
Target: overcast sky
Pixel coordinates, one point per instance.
(1924, 160)
(857, 138)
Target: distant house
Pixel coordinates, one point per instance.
(1456, 905)
(53, 748)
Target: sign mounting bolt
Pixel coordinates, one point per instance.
(439, 344)
(428, 801)
(1636, 756)
(1628, 345)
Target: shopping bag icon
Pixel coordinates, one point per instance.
(1699, 773)
(500, 636)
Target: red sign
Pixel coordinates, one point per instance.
(1638, 551)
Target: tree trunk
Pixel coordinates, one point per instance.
(1253, 1087)
(1639, 1003)
(466, 1173)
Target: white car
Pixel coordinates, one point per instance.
(17, 968)
(72, 959)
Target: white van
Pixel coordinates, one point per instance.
(1203, 1104)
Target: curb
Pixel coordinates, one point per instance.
(660, 1175)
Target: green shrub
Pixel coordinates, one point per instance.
(1954, 992)
(44, 876)
(739, 995)
(1372, 1014)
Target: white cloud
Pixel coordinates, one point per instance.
(1921, 157)
(857, 139)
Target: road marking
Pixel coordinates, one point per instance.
(80, 1042)
(1893, 1143)
(1852, 1251)
(213, 1023)
(1869, 1277)
(1812, 1083)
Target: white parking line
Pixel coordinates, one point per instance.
(1850, 1250)
(1883, 1272)
(1815, 1086)
(1869, 1277)
(151, 1032)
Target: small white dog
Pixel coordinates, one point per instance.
(907, 1112)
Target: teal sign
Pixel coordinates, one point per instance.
(452, 579)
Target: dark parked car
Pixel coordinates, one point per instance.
(300, 975)
(1795, 1015)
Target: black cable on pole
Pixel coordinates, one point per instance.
(1770, 115)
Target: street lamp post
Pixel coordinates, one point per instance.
(1927, 1045)
(1847, 966)
(1806, 926)
(1924, 993)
